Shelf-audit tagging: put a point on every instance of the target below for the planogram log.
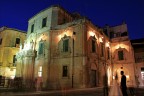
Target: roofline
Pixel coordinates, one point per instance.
(49, 8)
(137, 39)
(6, 28)
(111, 26)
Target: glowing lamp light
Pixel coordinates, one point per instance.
(12, 77)
(59, 36)
(27, 46)
(40, 68)
(113, 77)
(91, 33)
(40, 72)
(107, 44)
(127, 76)
(100, 39)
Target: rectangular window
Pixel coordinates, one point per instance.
(118, 34)
(0, 63)
(111, 34)
(41, 47)
(142, 73)
(108, 53)
(102, 49)
(65, 45)
(93, 46)
(17, 43)
(40, 71)
(44, 21)
(17, 40)
(120, 55)
(14, 60)
(32, 28)
(0, 41)
(65, 71)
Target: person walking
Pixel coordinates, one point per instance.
(123, 84)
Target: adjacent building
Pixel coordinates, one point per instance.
(122, 53)
(138, 46)
(10, 41)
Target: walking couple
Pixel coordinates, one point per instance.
(115, 89)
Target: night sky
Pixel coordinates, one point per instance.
(16, 13)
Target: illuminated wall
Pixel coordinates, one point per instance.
(12, 39)
(123, 55)
(61, 51)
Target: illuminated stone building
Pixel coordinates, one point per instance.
(65, 50)
(10, 40)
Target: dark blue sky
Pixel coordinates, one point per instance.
(16, 13)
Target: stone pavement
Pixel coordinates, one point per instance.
(71, 92)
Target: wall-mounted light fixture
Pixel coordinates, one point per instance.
(91, 33)
(107, 44)
(101, 39)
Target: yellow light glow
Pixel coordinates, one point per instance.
(12, 77)
(40, 72)
(100, 39)
(107, 44)
(40, 68)
(127, 76)
(42, 37)
(121, 46)
(27, 46)
(91, 33)
(59, 36)
(113, 77)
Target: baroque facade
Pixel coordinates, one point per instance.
(64, 50)
(10, 40)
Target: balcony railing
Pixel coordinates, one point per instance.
(139, 59)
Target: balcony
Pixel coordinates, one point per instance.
(139, 59)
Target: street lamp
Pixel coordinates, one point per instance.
(73, 59)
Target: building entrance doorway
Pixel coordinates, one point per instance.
(93, 78)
